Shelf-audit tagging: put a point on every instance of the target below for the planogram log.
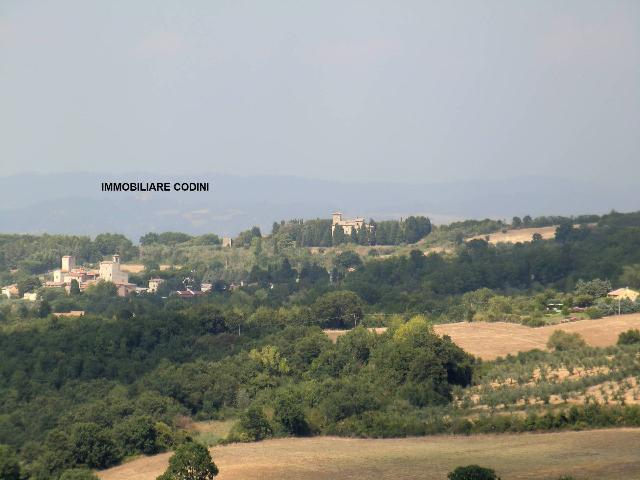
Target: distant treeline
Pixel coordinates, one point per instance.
(173, 238)
(39, 253)
(317, 233)
(412, 282)
(549, 220)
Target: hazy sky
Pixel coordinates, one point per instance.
(373, 90)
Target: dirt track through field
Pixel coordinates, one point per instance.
(603, 454)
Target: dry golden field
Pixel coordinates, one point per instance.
(138, 267)
(602, 454)
(518, 235)
(334, 334)
(489, 340)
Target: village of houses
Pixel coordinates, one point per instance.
(113, 271)
(108, 271)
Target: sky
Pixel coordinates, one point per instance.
(403, 91)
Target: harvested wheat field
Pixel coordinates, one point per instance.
(489, 340)
(603, 454)
(518, 235)
(334, 334)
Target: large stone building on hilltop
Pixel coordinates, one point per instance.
(347, 225)
(109, 271)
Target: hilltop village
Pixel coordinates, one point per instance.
(71, 276)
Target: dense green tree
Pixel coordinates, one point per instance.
(348, 259)
(28, 284)
(109, 243)
(253, 422)
(630, 337)
(92, 446)
(191, 461)
(594, 288)
(44, 309)
(289, 413)
(473, 472)
(338, 309)
(564, 231)
(630, 276)
(563, 341)
(9, 464)
(74, 288)
(138, 434)
(338, 235)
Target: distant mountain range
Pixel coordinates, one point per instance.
(74, 203)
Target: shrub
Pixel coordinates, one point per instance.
(254, 424)
(138, 435)
(561, 341)
(191, 461)
(9, 465)
(78, 474)
(289, 414)
(629, 337)
(473, 472)
(593, 313)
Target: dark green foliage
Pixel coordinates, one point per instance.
(28, 284)
(317, 233)
(594, 288)
(44, 309)
(563, 341)
(74, 287)
(473, 472)
(90, 445)
(393, 232)
(191, 461)
(9, 464)
(254, 424)
(338, 309)
(630, 337)
(289, 413)
(408, 284)
(346, 260)
(110, 243)
(137, 434)
(245, 238)
(90, 392)
(78, 474)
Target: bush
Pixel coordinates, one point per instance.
(289, 414)
(78, 474)
(138, 435)
(593, 313)
(9, 465)
(191, 461)
(561, 341)
(630, 337)
(473, 472)
(92, 446)
(254, 424)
